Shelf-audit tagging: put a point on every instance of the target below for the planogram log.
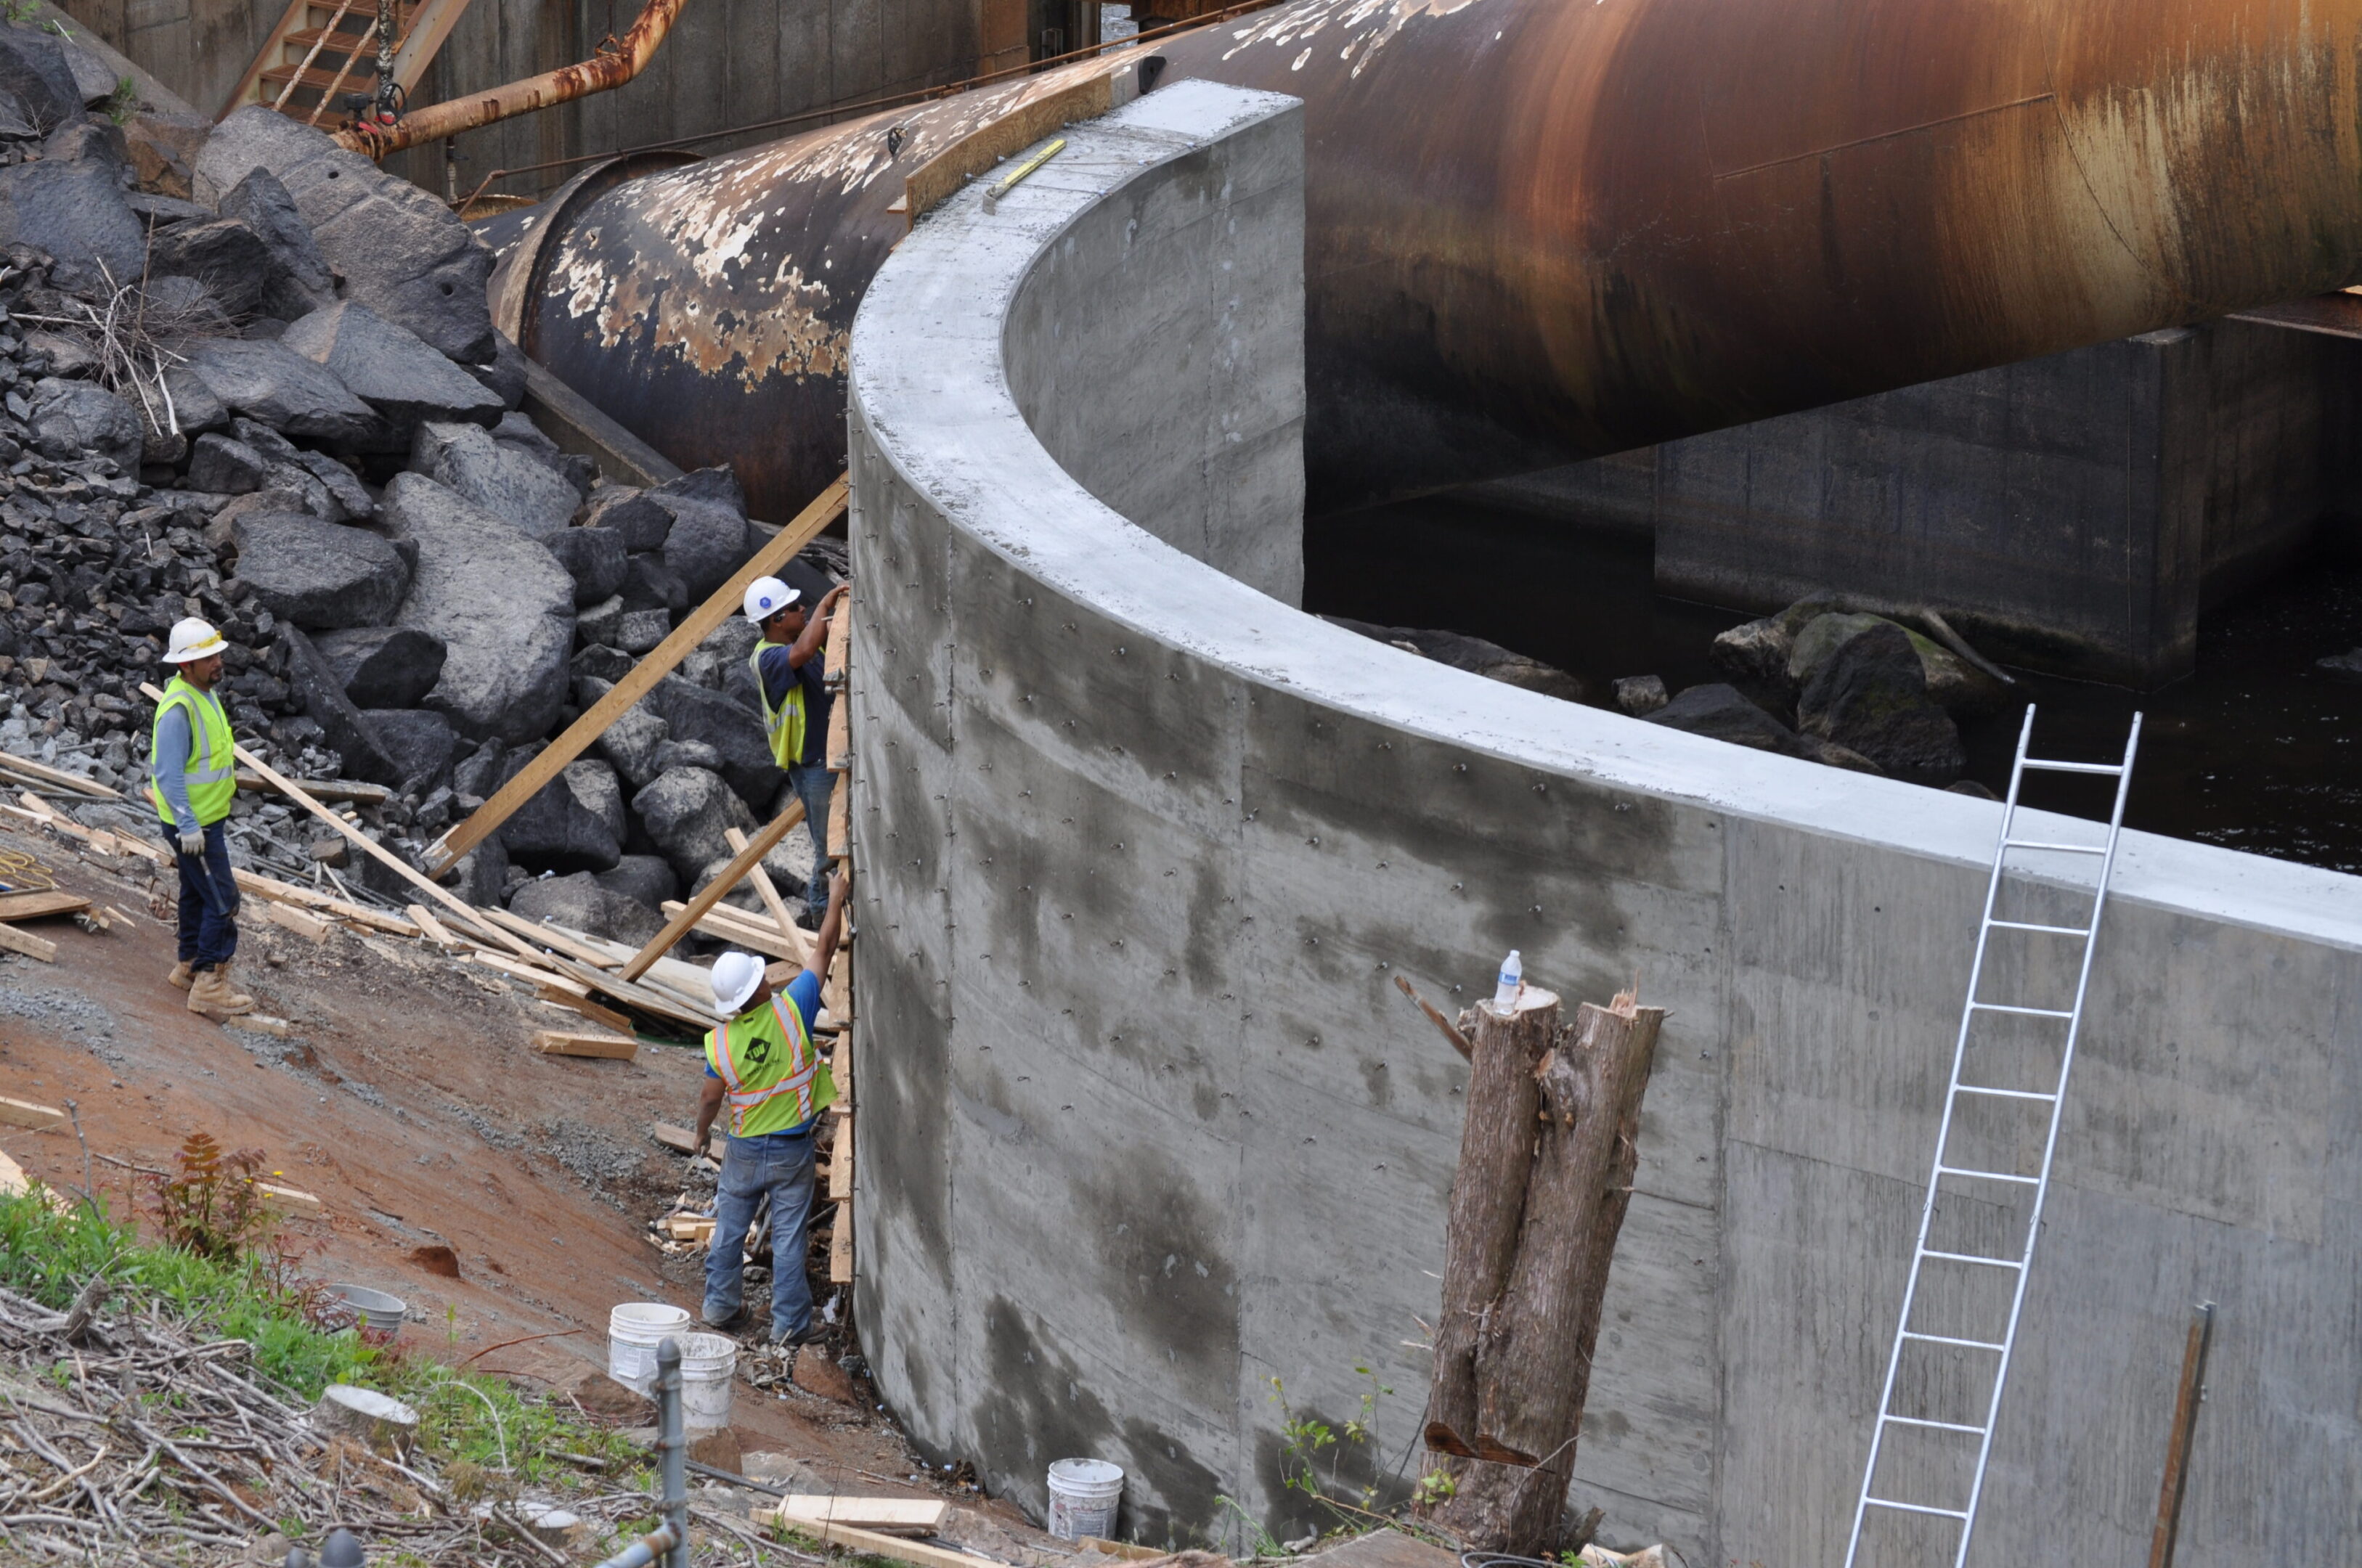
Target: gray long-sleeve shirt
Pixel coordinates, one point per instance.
(169, 765)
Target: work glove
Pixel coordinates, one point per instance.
(193, 843)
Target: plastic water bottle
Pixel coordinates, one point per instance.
(1505, 993)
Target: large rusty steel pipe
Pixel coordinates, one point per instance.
(597, 75)
(1540, 230)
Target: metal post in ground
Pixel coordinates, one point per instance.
(667, 1545)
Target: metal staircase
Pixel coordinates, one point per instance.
(1947, 1305)
(324, 50)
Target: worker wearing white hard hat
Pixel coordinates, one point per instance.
(763, 1068)
(789, 689)
(193, 781)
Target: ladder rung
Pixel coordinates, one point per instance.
(1972, 1257)
(1988, 1176)
(1912, 1507)
(2062, 849)
(2029, 1011)
(1940, 1339)
(1940, 1426)
(2081, 931)
(2003, 1093)
(2110, 768)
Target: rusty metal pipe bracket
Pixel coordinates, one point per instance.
(566, 84)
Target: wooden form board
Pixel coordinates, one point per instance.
(566, 1043)
(840, 1170)
(840, 1246)
(893, 1516)
(839, 644)
(25, 943)
(726, 601)
(840, 819)
(840, 736)
(36, 905)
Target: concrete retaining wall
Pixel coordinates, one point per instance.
(1145, 1125)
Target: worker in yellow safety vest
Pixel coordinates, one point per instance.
(788, 666)
(193, 780)
(763, 1066)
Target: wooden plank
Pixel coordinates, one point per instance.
(431, 928)
(681, 1141)
(1122, 1549)
(690, 1227)
(840, 1066)
(853, 1538)
(734, 926)
(295, 920)
(764, 889)
(647, 999)
(557, 995)
(840, 817)
(726, 601)
(40, 809)
(43, 773)
(25, 943)
(566, 1042)
(39, 905)
(14, 1182)
(25, 1113)
(531, 974)
(732, 874)
(347, 790)
(840, 736)
(839, 659)
(288, 1199)
(343, 908)
(894, 1516)
(554, 936)
(367, 846)
(840, 1247)
(836, 989)
(840, 1172)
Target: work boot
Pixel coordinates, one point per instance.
(213, 996)
(182, 977)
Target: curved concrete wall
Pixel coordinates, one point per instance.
(1145, 1125)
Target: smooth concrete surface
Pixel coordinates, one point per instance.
(1145, 1124)
(2075, 513)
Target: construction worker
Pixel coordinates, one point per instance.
(788, 667)
(762, 1064)
(192, 778)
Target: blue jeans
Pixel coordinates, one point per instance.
(779, 1163)
(208, 900)
(813, 785)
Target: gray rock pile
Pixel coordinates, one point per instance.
(302, 427)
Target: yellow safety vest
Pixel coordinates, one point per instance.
(784, 725)
(773, 1078)
(212, 769)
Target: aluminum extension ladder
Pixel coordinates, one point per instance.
(2021, 1266)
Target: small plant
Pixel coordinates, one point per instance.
(1434, 1489)
(212, 1207)
(20, 10)
(1308, 1437)
(123, 103)
(1258, 1541)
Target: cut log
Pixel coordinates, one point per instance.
(563, 1042)
(1534, 1219)
(380, 1421)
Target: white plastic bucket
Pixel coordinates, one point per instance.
(634, 1329)
(709, 1362)
(374, 1308)
(1084, 1496)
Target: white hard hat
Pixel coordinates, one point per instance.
(766, 596)
(194, 639)
(733, 979)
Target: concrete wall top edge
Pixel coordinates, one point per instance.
(928, 378)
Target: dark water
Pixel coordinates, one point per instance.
(2257, 751)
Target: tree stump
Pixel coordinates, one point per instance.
(1547, 1155)
(383, 1423)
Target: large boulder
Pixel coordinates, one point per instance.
(385, 667)
(708, 538)
(1871, 697)
(195, 406)
(33, 67)
(595, 556)
(401, 251)
(421, 743)
(649, 583)
(273, 385)
(1719, 713)
(317, 575)
(223, 464)
(584, 902)
(508, 484)
(357, 741)
(502, 604)
(597, 791)
(687, 813)
(391, 369)
(1951, 681)
(504, 377)
(554, 830)
(644, 878)
(262, 203)
(632, 513)
(696, 714)
(75, 211)
(164, 144)
(630, 743)
(1475, 654)
(71, 415)
(242, 271)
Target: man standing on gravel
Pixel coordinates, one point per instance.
(788, 667)
(762, 1063)
(192, 778)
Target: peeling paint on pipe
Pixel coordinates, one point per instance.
(1540, 230)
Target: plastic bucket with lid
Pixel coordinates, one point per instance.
(374, 1308)
(634, 1329)
(707, 1364)
(1084, 1496)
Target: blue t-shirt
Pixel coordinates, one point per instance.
(782, 675)
(803, 995)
